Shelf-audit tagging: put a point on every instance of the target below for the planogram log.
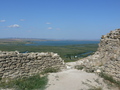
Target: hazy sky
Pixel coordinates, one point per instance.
(58, 19)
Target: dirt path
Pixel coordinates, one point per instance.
(73, 79)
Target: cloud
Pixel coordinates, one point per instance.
(22, 19)
(14, 26)
(50, 28)
(48, 23)
(2, 20)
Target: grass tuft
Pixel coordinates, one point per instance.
(110, 78)
(29, 83)
(51, 70)
(95, 88)
(79, 67)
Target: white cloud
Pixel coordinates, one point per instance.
(14, 26)
(22, 19)
(48, 23)
(2, 20)
(50, 28)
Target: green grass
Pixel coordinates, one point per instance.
(30, 83)
(110, 79)
(51, 70)
(67, 53)
(95, 88)
(79, 67)
(91, 87)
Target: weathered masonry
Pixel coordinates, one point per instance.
(107, 57)
(14, 64)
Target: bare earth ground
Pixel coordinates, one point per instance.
(73, 79)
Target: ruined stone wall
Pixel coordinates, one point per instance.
(107, 57)
(14, 64)
(109, 53)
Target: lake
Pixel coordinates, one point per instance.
(61, 43)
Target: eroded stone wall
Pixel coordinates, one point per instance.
(109, 52)
(14, 64)
(107, 57)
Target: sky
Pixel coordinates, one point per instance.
(58, 19)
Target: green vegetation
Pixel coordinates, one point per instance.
(95, 88)
(68, 53)
(29, 83)
(110, 79)
(79, 67)
(50, 70)
(91, 87)
(36, 82)
(13, 41)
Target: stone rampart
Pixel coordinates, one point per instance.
(107, 57)
(109, 52)
(14, 64)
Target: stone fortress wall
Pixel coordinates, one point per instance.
(107, 57)
(109, 53)
(14, 64)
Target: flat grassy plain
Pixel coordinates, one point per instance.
(68, 52)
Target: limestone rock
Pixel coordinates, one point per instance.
(14, 64)
(107, 56)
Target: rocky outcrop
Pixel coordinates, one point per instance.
(14, 64)
(107, 57)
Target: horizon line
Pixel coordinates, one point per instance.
(54, 39)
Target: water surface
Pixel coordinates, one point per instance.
(61, 43)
